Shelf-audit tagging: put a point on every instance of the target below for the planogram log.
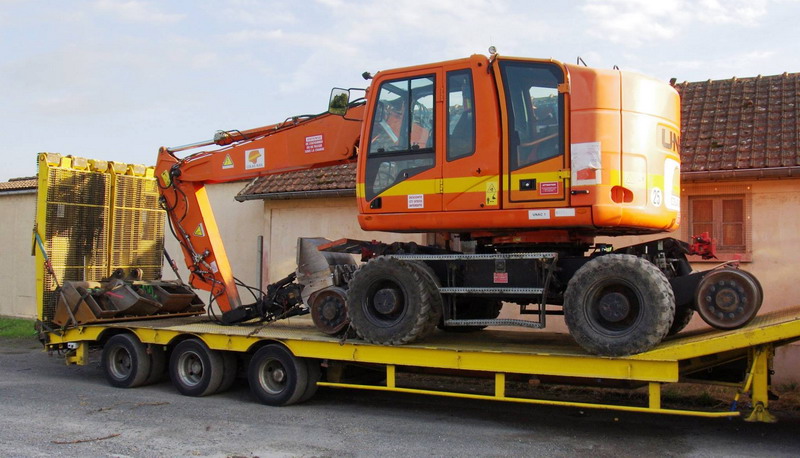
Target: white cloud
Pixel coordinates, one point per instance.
(635, 22)
(136, 11)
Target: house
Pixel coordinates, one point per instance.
(17, 272)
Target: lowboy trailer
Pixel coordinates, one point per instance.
(286, 361)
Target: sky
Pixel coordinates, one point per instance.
(117, 79)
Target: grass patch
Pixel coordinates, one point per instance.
(16, 327)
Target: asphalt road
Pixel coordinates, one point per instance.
(47, 408)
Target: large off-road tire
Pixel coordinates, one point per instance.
(276, 376)
(195, 369)
(125, 361)
(437, 301)
(683, 315)
(390, 301)
(618, 304)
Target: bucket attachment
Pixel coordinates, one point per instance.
(87, 302)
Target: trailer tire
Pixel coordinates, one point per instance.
(276, 376)
(158, 364)
(125, 361)
(314, 375)
(618, 304)
(195, 369)
(230, 367)
(389, 302)
(683, 315)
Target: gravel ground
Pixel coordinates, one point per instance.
(49, 409)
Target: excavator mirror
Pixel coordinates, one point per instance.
(338, 102)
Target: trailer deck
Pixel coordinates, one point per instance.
(490, 352)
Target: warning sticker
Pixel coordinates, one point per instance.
(254, 159)
(165, 178)
(315, 144)
(549, 188)
(491, 193)
(228, 162)
(416, 201)
(501, 277)
(200, 232)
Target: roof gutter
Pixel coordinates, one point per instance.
(741, 174)
(351, 192)
(7, 192)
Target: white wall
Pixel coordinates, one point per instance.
(17, 266)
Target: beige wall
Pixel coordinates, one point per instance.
(774, 207)
(240, 224)
(331, 218)
(17, 266)
(280, 222)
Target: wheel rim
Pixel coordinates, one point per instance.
(272, 376)
(121, 363)
(329, 311)
(385, 303)
(728, 298)
(615, 307)
(190, 368)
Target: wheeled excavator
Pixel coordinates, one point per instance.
(516, 165)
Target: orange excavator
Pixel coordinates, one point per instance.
(517, 165)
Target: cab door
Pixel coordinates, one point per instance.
(471, 166)
(535, 171)
(402, 172)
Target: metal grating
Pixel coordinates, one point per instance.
(94, 220)
(138, 226)
(75, 236)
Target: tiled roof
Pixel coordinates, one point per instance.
(18, 184)
(304, 182)
(740, 123)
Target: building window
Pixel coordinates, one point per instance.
(726, 219)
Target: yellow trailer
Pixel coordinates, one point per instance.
(286, 361)
(97, 217)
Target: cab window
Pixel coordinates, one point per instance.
(402, 133)
(460, 115)
(535, 110)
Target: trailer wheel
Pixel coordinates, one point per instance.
(276, 376)
(618, 304)
(314, 375)
(125, 361)
(389, 302)
(728, 298)
(683, 315)
(158, 364)
(230, 367)
(195, 369)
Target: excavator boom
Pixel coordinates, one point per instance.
(296, 144)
